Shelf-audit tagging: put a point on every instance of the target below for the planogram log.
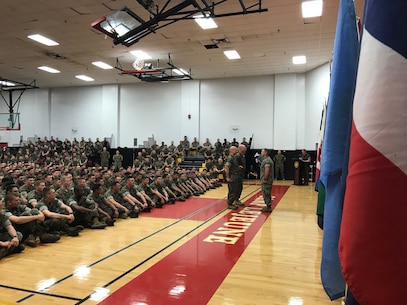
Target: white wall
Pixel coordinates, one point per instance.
(237, 108)
(109, 107)
(281, 111)
(190, 110)
(77, 113)
(149, 109)
(316, 94)
(285, 109)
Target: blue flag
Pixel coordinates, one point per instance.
(335, 150)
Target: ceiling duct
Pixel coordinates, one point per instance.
(126, 27)
(211, 46)
(55, 56)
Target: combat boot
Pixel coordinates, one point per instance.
(238, 203)
(133, 214)
(47, 238)
(232, 207)
(96, 224)
(267, 209)
(31, 241)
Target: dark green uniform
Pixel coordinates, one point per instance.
(266, 185)
(104, 158)
(56, 224)
(25, 228)
(4, 236)
(279, 160)
(117, 161)
(65, 195)
(304, 169)
(241, 161)
(233, 185)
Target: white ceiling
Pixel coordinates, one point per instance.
(266, 42)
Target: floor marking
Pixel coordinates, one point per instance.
(194, 271)
(189, 216)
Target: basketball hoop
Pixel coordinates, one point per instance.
(10, 121)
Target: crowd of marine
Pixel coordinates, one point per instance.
(51, 188)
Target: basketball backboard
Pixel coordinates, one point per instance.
(10, 121)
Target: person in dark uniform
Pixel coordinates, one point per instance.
(104, 157)
(194, 147)
(266, 177)
(232, 177)
(245, 143)
(86, 211)
(305, 166)
(279, 161)
(185, 146)
(25, 220)
(58, 216)
(117, 160)
(10, 239)
(107, 210)
(241, 161)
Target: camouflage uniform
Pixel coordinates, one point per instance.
(233, 185)
(266, 186)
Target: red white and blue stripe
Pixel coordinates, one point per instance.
(373, 239)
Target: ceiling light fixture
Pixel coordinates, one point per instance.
(140, 54)
(48, 69)
(102, 65)
(85, 78)
(311, 8)
(6, 83)
(205, 22)
(180, 71)
(299, 60)
(44, 40)
(231, 54)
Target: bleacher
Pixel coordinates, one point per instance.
(193, 161)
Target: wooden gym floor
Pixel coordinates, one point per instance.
(191, 253)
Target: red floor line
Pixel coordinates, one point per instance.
(195, 208)
(193, 272)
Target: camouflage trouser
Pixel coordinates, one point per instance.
(266, 192)
(104, 162)
(26, 229)
(4, 236)
(279, 171)
(106, 208)
(83, 219)
(233, 189)
(56, 224)
(240, 187)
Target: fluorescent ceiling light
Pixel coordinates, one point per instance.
(311, 8)
(102, 65)
(48, 69)
(232, 54)
(85, 78)
(205, 22)
(140, 54)
(6, 83)
(180, 71)
(299, 60)
(44, 40)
